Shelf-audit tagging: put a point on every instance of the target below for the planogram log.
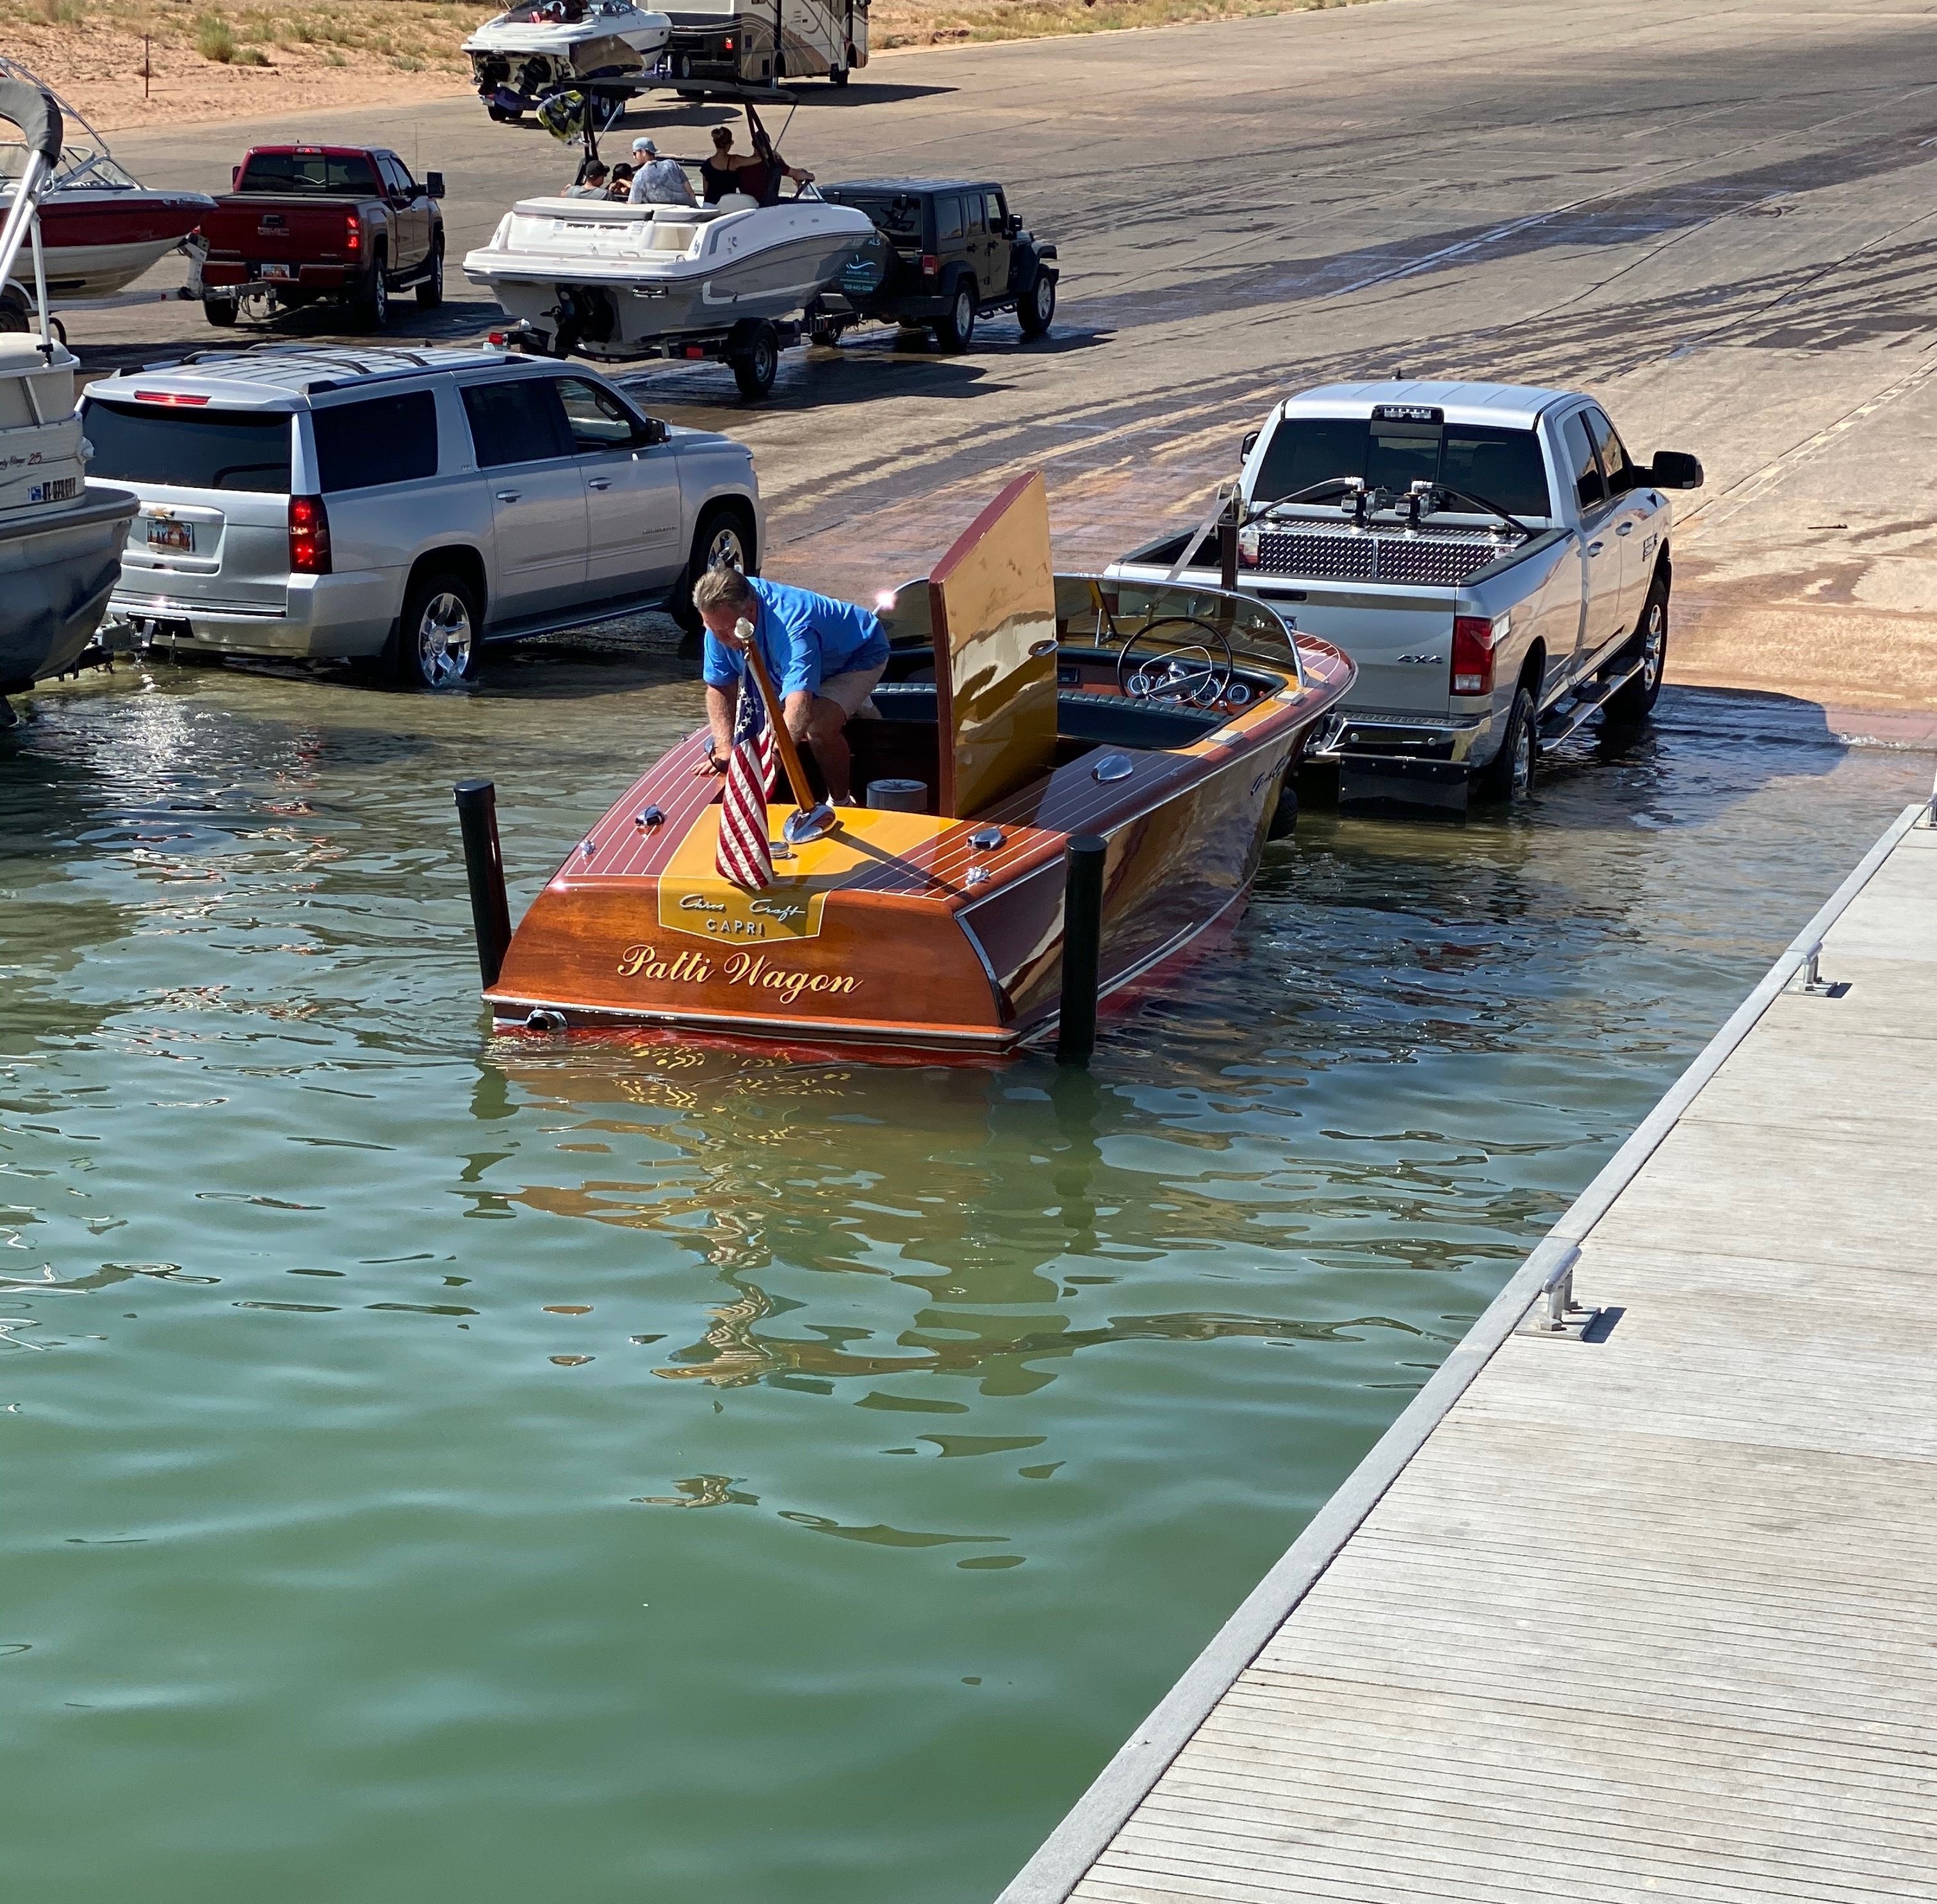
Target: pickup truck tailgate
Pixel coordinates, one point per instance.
(1402, 641)
(293, 231)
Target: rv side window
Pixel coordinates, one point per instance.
(947, 219)
(518, 421)
(381, 440)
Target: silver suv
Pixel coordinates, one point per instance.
(403, 506)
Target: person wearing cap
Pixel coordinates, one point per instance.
(591, 182)
(657, 181)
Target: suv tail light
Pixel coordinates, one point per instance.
(1474, 638)
(352, 232)
(931, 265)
(309, 536)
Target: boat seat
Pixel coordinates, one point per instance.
(671, 238)
(1101, 720)
(738, 201)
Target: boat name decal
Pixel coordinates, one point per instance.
(745, 968)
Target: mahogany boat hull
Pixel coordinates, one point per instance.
(906, 933)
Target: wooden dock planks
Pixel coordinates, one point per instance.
(1650, 1617)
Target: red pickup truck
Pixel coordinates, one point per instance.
(309, 222)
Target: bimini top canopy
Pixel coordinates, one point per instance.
(33, 109)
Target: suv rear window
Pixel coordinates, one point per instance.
(190, 449)
(345, 175)
(1502, 467)
(898, 217)
(380, 440)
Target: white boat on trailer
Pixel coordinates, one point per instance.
(526, 53)
(60, 540)
(619, 283)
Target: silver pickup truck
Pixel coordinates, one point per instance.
(1490, 556)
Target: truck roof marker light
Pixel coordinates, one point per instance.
(182, 397)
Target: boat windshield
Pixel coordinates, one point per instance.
(1095, 612)
(82, 168)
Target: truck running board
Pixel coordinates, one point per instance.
(1563, 721)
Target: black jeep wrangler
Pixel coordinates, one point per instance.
(958, 253)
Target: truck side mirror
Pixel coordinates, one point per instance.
(1250, 443)
(235, 176)
(1672, 469)
(434, 184)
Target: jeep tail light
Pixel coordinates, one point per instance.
(352, 232)
(309, 536)
(931, 265)
(1474, 639)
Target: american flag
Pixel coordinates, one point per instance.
(744, 855)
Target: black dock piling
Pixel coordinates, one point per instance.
(484, 867)
(1082, 948)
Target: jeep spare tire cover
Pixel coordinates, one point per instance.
(865, 269)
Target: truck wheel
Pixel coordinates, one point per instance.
(953, 331)
(437, 636)
(1507, 778)
(369, 303)
(1036, 307)
(221, 312)
(756, 361)
(724, 536)
(430, 293)
(1631, 703)
(837, 76)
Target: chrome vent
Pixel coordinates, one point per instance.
(1421, 560)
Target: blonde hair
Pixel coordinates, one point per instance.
(721, 587)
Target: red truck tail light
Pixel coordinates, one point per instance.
(309, 536)
(930, 264)
(352, 232)
(1474, 639)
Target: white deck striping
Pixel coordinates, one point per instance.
(1654, 1616)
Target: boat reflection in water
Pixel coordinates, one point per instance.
(1028, 708)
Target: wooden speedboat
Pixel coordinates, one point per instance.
(1020, 709)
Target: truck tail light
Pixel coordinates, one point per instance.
(309, 536)
(726, 44)
(931, 265)
(352, 232)
(1474, 639)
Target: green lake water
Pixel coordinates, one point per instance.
(436, 1466)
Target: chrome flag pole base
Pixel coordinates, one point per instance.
(805, 824)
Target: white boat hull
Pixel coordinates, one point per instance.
(554, 262)
(55, 576)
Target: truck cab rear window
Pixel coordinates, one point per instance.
(349, 175)
(190, 449)
(1502, 467)
(381, 440)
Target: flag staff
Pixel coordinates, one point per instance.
(796, 773)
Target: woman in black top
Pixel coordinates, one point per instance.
(721, 174)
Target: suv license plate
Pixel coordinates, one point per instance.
(172, 535)
(279, 271)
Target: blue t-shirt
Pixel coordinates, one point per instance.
(804, 638)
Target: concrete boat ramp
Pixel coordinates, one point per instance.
(1647, 1609)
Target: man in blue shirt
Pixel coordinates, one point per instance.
(823, 657)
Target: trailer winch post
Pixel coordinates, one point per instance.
(484, 869)
(1082, 948)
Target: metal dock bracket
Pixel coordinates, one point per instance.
(1554, 1316)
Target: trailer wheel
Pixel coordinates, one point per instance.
(14, 315)
(756, 360)
(221, 312)
(504, 116)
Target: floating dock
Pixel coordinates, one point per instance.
(1642, 1608)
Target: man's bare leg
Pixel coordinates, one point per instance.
(822, 725)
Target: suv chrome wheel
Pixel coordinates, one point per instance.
(725, 549)
(444, 641)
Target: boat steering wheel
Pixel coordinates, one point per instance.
(1196, 673)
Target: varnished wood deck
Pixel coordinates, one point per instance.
(1649, 1617)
